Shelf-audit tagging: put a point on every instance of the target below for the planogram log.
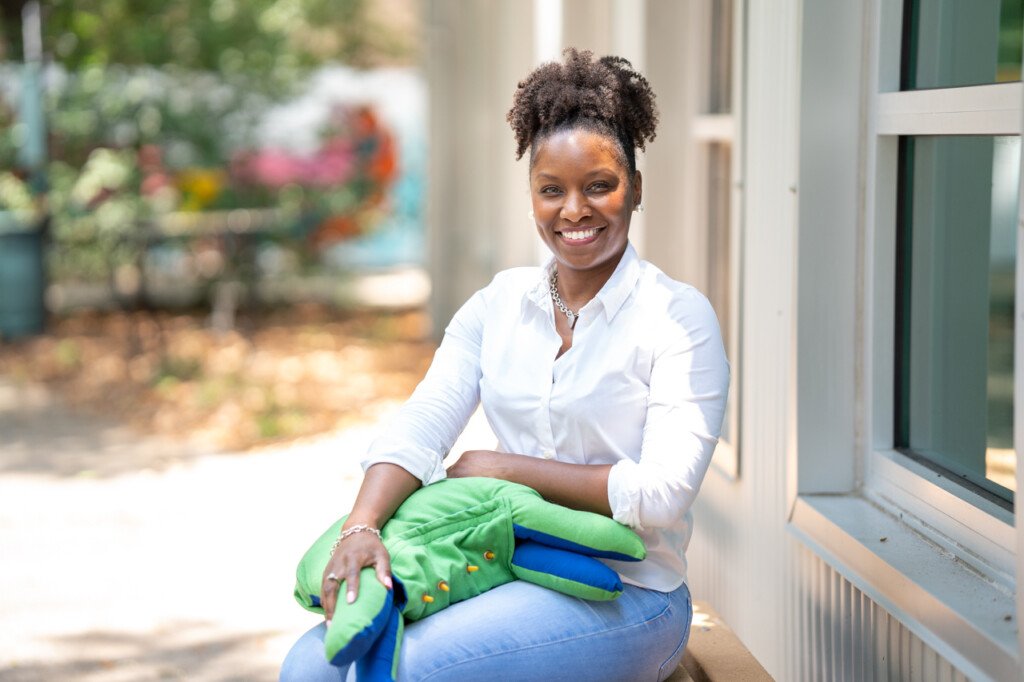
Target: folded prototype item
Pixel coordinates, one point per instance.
(453, 540)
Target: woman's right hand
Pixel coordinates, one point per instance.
(353, 554)
(385, 486)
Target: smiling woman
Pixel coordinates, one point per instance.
(605, 383)
(582, 200)
(582, 122)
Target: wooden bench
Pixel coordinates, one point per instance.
(714, 653)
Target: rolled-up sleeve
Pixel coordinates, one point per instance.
(428, 424)
(685, 406)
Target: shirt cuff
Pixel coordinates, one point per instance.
(624, 493)
(417, 460)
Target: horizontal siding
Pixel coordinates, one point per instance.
(799, 617)
(829, 631)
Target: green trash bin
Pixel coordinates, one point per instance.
(22, 278)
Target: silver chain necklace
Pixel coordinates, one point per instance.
(553, 281)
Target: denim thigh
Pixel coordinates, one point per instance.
(521, 632)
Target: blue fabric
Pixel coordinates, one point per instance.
(400, 596)
(524, 533)
(315, 600)
(363, 640)
(525, 632)
(568, 565)
(377, 664)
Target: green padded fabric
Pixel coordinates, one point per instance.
(462, 533)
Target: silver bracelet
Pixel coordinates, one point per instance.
(358, 528)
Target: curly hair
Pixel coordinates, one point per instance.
(607, 96)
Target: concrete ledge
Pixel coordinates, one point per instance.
(714, 653)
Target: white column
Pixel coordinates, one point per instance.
(547, 30)
(672, 239)
(478, 197)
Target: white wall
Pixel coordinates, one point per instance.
(799, 617)
(478, 202)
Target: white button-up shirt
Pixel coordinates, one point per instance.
(643, 388)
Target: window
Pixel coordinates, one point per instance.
(944, 170)
(950, 43)
(907, 314)
(718, 192)
(956, 263)
(956, 252)
(693, 192)
(947, 174)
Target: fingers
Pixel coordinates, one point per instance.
(329, 594)
(462, 466)
(335, 582)
(342, 575)
(384, 570)
(352, 586)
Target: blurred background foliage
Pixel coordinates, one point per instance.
(165, 197)
(259, 42)
(153, 110)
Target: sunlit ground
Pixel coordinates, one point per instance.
(183, 573)
(127, 557)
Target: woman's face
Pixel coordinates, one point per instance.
(582, 199)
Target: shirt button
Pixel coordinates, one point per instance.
(548, 454)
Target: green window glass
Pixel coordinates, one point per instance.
(956, 274)
(953, 43)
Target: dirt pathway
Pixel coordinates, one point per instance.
(130, 558)
(126, 558)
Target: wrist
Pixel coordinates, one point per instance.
(352, 530)
(356, 518)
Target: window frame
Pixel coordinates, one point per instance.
(953, 516)
(716, 128)
(925, 549)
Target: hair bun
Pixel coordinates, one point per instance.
(608, 93)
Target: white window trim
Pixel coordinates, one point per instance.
(710, 128)
(977, 110)
(940, 599)
(947, 551)
(726, 129)
(892, 479)
(734, 345)
(952, 515)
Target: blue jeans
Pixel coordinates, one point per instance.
(520, 631)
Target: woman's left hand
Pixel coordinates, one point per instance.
(578, 486)
(485, 463)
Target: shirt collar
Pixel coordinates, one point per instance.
(540, 293)
(611, 296)
(621, 284)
